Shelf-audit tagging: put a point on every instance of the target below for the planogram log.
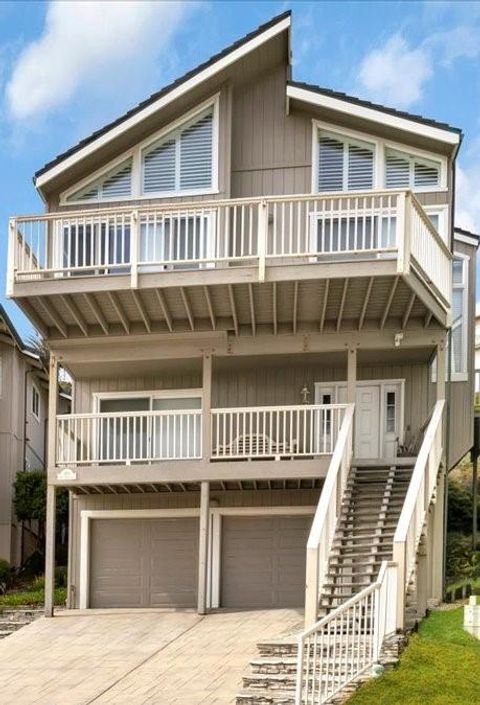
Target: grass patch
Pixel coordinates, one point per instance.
(438, 667)
(31, 598)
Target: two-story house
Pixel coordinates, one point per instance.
(256, 287)
(23, 420)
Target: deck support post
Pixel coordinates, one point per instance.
(203, 547)
(50, 529)
(207, 408)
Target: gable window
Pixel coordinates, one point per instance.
(181, 161)
(35, 402)
(344, 164)
(404, 170)
(116, 184)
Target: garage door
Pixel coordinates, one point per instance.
(263, 561)
(144, 562)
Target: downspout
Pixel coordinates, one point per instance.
(24, 459)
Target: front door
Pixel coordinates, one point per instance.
(367, 422)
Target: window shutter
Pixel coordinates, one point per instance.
(360, 167)
(397, 171)
(330, 164)
(159, 168)
(426, 174)
(88, 194)
(118, 184)
(196, 142)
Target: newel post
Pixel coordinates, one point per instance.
(51, 496)
(134, 246)
(262, 239)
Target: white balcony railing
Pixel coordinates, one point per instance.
(144, 436)
(237, 433)
(258, 231)
(284, 431)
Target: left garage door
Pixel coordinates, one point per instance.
(144, 562)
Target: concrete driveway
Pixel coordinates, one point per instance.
(134, 658)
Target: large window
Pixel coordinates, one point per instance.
(344, 164)
(459, 317)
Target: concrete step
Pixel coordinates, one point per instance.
(278, 697)
(274, 665)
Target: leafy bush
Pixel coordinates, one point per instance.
(6, 575)
(460, 507)
(462, 561)
(38, 583)
(61, 576)
(30, 500)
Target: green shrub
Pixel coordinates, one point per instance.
(38, 583)
(61, 576)
(6, 575)
(462, 562)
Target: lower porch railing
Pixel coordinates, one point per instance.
(272, 432)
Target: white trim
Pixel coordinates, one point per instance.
(380, 147)
(465, 239)
(443, 220)
(170, 97)
(399, 383)
(216, 513)
(463, 375)
(97, 397)
(35, 416)
(135, 154)
(373, 114)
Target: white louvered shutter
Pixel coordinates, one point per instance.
(360, 167)
(196, 158)
(397, 171)
(159, 168)
(330, 164)
(426, 174)
(87, 194)
(118, 184)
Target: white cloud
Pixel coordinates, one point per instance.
(395, 73)
(88, 41)
(467, 205)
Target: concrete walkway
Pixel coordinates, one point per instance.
(135, 658)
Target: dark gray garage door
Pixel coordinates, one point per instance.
(263, 561)
(144, 562)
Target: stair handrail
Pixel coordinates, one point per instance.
(417, 502)
(349, 638)
(324, 522)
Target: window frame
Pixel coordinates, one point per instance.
(443, 220)
(135, 154)
(35, 394)
(380, 148)
(462, 376)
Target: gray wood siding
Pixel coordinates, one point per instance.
(175, 500)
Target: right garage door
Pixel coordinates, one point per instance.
(263, 561)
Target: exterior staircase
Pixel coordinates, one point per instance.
(370, 509)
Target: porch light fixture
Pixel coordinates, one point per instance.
(305, 394)
(398, 339)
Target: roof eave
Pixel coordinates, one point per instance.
(451, 137)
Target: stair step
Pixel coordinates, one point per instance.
(277, 697)
(274, 665)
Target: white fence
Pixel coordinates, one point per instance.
(325, 519)
(262, 231)
(86, 439)
(417, 502)
(346, 643)
(275, 431)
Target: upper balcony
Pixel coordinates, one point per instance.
(322, 260)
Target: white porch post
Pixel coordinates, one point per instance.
(351, 374)
(51, 498)
(203, 547)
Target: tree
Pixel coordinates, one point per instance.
(30, 500)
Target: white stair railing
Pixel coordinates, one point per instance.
(417, 502)
(346, 643)
(325, 519)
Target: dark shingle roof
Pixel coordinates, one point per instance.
(375, 106)
(159, 94)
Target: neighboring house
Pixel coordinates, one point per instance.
(23, 419)
(477, 348)
(249, 280)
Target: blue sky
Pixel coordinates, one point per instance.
(66, 68)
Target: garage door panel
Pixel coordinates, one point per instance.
(144, 562)
(263, 561)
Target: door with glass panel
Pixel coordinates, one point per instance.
(176, 431)
(123, 433)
